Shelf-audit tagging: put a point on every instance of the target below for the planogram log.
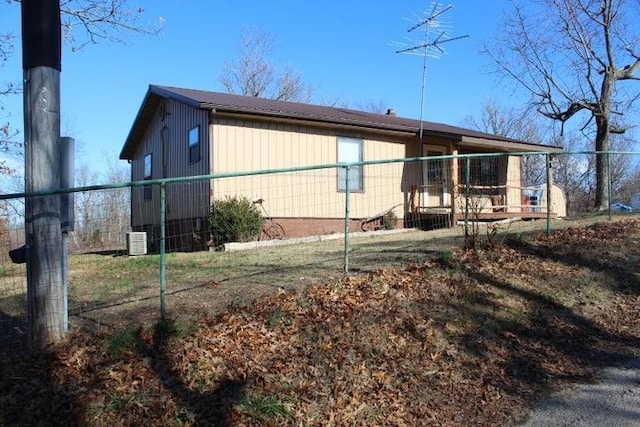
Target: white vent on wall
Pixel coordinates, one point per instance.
(137, 243)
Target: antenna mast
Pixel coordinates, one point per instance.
(427, 47)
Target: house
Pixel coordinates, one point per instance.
(183, 132)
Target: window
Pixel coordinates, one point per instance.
(483, 171)
(194, 144)
(435, 169)
(350, 151)
(147, 175)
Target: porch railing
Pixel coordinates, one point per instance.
(487, 200)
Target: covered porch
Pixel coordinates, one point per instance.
(479, 188)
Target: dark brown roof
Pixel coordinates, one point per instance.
(224, 102)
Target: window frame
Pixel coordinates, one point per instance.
(483, 171)
(193, 144)
(355, 185)
(147, 174)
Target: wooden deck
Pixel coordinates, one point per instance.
(486, 204)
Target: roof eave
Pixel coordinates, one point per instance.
(127, 149)
(508, 145)
(145, 114)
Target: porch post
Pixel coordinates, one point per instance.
(454, 183)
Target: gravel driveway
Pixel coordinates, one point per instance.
(612, 401)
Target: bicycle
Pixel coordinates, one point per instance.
(270, 229)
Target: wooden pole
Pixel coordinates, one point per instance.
(41, 54)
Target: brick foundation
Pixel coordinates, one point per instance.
(181, 235)
(304, 227)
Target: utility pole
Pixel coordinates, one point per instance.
(41, 59)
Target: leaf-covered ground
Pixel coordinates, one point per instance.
(468, 338)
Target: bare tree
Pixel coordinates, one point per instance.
(253, 73)
(575, 173)
(102, 217)
(515, 124)
(572, 57)
(8, 142)
(84, 22)
(506, 121)
(116, 212)
(92, 21)
(630, 185)
(621, 168)
(88, 208)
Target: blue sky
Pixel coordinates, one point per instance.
(342, 48)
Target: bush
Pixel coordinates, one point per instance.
(235, 219)
(389, 221)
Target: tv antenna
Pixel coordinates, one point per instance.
(427, 46)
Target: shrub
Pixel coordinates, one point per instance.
(235, 219)
(389, 221)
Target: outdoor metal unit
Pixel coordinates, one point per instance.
(137, 243)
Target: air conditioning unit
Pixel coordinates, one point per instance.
(137, 243)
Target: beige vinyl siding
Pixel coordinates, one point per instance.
(171, 159)
(240, 146)
(514, 183)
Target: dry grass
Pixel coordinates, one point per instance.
(118, 290)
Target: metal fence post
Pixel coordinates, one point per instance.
(67, 217)
(467, 173)
(549, 177)
(346, 218)
(608, 183)
(163, 261)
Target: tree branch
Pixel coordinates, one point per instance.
(628, 71)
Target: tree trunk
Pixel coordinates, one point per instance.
(602, 141)
(602, 166)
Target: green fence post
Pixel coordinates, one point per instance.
(549, 177)
(608, 183)
(467, 174)
(163, 261)
(346, 219)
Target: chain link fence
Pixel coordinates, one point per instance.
(142, 251)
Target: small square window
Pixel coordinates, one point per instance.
(194, 144)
